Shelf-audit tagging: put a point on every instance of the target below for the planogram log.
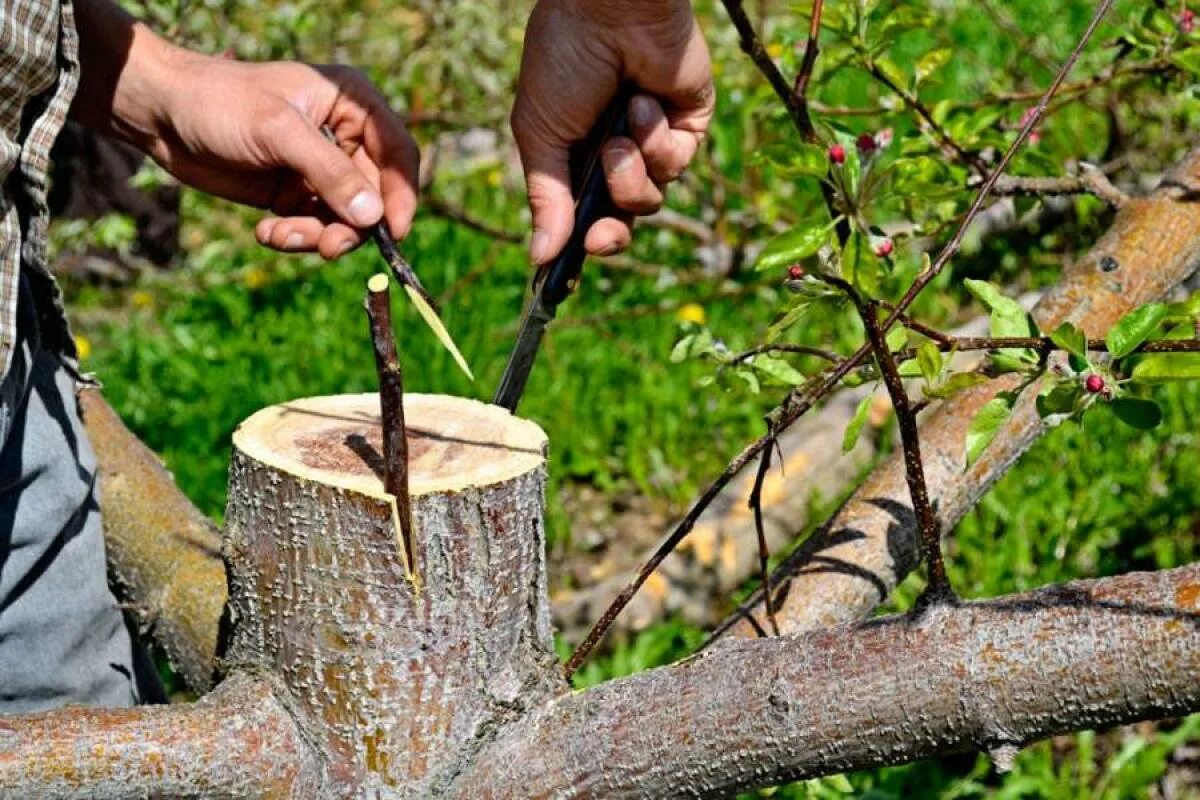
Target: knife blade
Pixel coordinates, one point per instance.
(555, 281)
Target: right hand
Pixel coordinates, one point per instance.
(576, 54)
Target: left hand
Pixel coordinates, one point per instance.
(251, 133)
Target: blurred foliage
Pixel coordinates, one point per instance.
(187, 354)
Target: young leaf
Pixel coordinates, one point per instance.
(777, 368)
(692, 346)
(789, 318)
(1166, 367)
(792, 246)
(1134, 328)
(929, 359)
(1008, 318)
(896, 338)
(1137, 412)
(955, 384)
(860, 265)
(1060, 398)
(1071, 339)
(807, 159)
(986, 424)
(854, 429)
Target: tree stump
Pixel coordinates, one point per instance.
(399, 671)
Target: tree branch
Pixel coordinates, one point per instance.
(239, 741)
(1003, 672)
(164, 556)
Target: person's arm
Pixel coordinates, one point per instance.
(576, 54)
(251, 132)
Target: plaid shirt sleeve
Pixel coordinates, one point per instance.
(39, 72)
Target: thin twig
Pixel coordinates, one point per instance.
(811, 49)
(391, 407)
(952, 247)
(939, 589)
(803, 349)
(753, 47)
(755, 503)
(457, 215)
(1090, 181)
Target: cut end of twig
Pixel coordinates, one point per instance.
(377, 283)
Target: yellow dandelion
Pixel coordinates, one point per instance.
(254, 278)
(775, 50)
(691, 313)
(142, 299)
(495, 177)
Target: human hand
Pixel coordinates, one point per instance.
(251, 133)
(576, 54)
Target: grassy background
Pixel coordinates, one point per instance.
(186, 355)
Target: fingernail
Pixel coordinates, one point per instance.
(610, 249)
(294, 241)
(365, 209)
(617, 159)
(344, 248)
(641, 110)
(538, 246)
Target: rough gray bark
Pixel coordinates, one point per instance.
(757, 713)
(853, 563)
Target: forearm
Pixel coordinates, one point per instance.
(126, 71)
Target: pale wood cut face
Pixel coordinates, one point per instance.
(453, 443)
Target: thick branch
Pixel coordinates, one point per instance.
(237, 742)
(164, 556)
(758, 713)
(847, 568)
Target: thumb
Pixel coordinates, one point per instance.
(548, 182)
(334, 178)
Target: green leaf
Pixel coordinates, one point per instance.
(986, 424)
(807, 159)
(1185, 309)
(795, 245)
(932, 61)
(955, 384)
(789, 318)
(1071, 339)
(692, 346)
(1166, 367)
(1137, 412)
(749, 377)
(1008, 318)
(778, 369)
(854, 429)
(909, 369)
(896, 338)
(1188, 60)
(860, 265)
(1059, 398)
(1134, 328)
(929, 358)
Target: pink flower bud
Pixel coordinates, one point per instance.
(1186, 21)
(837, 154)
(795, 272)
(884, 248)
(866, 144)
(1094, 384)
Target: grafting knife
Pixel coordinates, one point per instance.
(555, 281)
(405, 276)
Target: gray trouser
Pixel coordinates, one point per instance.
(62, 635)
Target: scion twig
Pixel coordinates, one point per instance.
(391, 406)
(764, 554)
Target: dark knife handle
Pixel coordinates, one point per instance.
(556, 280)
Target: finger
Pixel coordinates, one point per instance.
(308, 234)
(630, 186)
(395, 156)
(295, 142)
(548, 184)
(666, 151)
(609, 236)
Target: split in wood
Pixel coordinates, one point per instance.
(391, 407)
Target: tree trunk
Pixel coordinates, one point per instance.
(399, 672)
